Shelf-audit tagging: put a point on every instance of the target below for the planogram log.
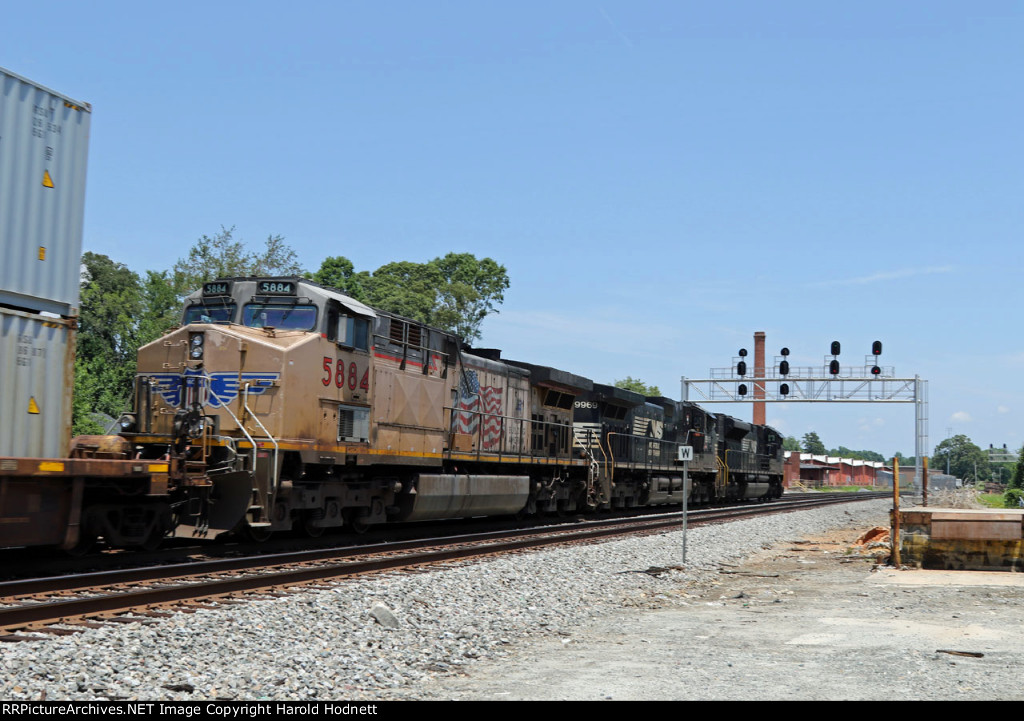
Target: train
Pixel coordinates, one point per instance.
(280, 404)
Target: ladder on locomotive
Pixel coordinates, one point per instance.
(586, 440)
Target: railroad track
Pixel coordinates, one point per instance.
(82, 600)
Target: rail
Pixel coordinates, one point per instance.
(142, 588)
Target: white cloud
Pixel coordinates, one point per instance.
(600, 345)
(885, 275)
(961, 417)
(868, 425)
(1002, 409)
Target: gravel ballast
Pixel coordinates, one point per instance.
(461, 631)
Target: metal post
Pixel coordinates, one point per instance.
(686, 477)
(896, 512)
(924, 487)
(918, 450)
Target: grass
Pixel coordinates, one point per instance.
(991, 500)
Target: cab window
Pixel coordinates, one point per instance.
(354, 332)
(209, 313)
(283, 316)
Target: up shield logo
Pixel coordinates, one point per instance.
(209, 389)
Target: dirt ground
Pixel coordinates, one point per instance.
(813, 619)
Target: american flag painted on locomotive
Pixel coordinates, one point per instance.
(475, 399)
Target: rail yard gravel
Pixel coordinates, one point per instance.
(610, 620)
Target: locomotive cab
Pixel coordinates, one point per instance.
(229, 399)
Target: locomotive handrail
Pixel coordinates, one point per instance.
(747, 459)
(275, 475)
(406, 345)
(241, 427)
(481, 418)
(588, 449)
(524, 445)
(252, 442)
(749, 462)
(631, 439)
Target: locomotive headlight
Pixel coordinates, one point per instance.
(196, 342)
(127, 422)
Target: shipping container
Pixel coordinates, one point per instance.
(37, 359)
(44, 138)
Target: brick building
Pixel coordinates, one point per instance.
(815, 471)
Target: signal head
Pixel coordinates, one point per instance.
(741, 368)
(876, 348)
(876, 371)
(835, 347)
(743, 352)
(742, 390)
(784, 389)
(833, 367)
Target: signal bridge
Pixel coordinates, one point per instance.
(829, 383)
(804, 385)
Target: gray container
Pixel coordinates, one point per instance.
(37, 358)
(44, 139)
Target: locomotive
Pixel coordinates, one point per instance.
(282, 404)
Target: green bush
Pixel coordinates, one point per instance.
(1011, 499)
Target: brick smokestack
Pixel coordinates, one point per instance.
(759, 411)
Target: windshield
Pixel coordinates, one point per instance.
(279, 315)
(209, 313)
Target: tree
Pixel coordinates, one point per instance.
(844, 452)
(224, 257)
(813, 444)
(112, 302)
(161, 307)
(637, 386)
(405, 288)
(338, 272)
(277, 258)
(789, 443)
(965, 460)
(1017, 480)
(907, 461)
(454, 293)
(472, 288)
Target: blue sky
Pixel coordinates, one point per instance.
(661, 179)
